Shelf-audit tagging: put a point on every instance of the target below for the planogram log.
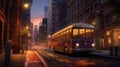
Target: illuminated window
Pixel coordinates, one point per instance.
(107, 33)
(70, 30)
(119, 37)
(88, 30)
(109, 40)
(81, 31)
(75, 32)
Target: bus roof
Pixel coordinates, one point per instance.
(84, 25)
(75, 25)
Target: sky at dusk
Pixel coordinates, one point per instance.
(37, 10)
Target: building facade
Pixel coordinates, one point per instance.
(10, 21)
(102, 15)
(10, 17)
(46, 11)
(3, 22)
(61, 16)
(35, 34)
(14, 24)
(52, 15)
(43, 30)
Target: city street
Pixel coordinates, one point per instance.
(59, 33)
(56, 59)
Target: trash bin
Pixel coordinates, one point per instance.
(7, 52)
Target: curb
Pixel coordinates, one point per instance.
(111, 57)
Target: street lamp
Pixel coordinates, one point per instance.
(26, 5)
(27, 27)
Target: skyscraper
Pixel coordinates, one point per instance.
(52, 15)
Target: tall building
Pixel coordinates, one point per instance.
(71, 11)
(43, 30)
(14, 24)
(101, 14)
(61, 16)
(51, 15)
(10, 18)
(3, 23)
(36, 34)
(49, 32)
(31, 32)
(10, 23)
(45, 11)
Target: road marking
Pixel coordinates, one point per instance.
(43, 60)
(32, 59)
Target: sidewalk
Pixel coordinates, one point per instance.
(106, 53)
(17, 60)
(27, 59)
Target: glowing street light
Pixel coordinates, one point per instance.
(26, 5)
(27, 27)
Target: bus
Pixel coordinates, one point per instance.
(78, 37)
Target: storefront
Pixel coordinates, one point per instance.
(112, 37)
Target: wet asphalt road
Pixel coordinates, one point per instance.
(57, 59)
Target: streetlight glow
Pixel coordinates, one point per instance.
(26, 5)
(27, 27)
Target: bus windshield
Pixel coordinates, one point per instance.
(83, 33)
(89, 33)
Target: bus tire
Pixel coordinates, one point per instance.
(65, 50)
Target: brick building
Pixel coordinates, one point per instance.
(3, 22)
(10, 19)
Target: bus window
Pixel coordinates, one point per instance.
(75, 32)
(82, 33)
(89, 33)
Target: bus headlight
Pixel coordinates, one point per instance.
(77, 44)
(93, 44)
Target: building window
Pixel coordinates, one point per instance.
(106, 19)
(109, 40)
(97, 5)
(107, 33)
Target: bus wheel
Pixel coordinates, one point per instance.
(65, 50)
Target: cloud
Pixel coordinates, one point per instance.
(36, 20)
